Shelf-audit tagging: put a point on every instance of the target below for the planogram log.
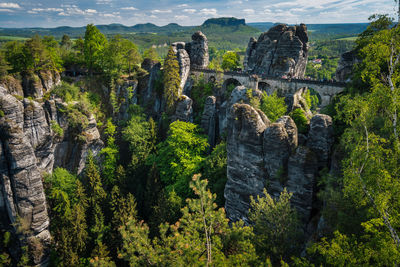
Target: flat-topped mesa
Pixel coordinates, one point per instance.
(281, 51)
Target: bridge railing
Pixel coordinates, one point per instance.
(244, 74)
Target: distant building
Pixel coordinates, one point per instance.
(317, 61)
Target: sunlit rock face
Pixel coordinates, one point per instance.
(282, 50)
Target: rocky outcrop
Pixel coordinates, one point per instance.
(273, 155)
(345, 66)
(246, 176)
(198, 51)
(184, 110)
(29, 147)
(184, 63)
(320, 138)
(36, 85)
(127, 92)
(283, 50)
(209, 119)
(23, 192)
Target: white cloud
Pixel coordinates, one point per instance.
(181, 17)
(190, 10)
(6, 10)
(91, 11)
(249, 11)
(50, 9)
(157, 11)
(183, 5)
(129, 8)
(208, 12)
(71, 10)
(153, 16)
(103, 2)
(9, 5)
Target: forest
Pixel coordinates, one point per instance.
(154, 195)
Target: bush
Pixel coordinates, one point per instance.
(253, 101)
(273, 106)
(300, 119)
(67, 92)
(57, 129)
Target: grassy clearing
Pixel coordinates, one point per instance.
(353, 38)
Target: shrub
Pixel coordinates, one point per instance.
(67, 92)
(273, 106)
(57, 129)
(253, 101)
(300, 119)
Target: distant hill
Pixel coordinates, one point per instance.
(224, 22)
(322, 31)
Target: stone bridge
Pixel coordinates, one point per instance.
(326, 90)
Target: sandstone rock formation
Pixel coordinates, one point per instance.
(184, 63)
(184, 110)
(345, 66)
(198, 51)
(37, 85)
(209, 119)
(283, 50)
(245, 172)
(29, 148)
(273, 155)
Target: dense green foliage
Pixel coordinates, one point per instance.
(178, 156)
(230, 61)
(273, 106)
(299, 117)
(171, 79)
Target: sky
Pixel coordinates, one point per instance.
(54, 13)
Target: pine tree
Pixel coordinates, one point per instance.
(171, 80)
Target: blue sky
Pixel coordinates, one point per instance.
(53, 13)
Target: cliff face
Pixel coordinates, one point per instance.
(345, 66)
(263, 154)
(283, 50)
(29, 148)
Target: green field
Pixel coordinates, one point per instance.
(353, 38)
(12, 38)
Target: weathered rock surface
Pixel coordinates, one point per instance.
(209, 119)
(283, 50)
(345, 66)
(128, 92)
(245, 172)
(184, 63)
(29, 148)
(301, 180)
(198, 51)
(184, 110)
(320, 138)
(272, 155)
(37, 85)
(21, 177)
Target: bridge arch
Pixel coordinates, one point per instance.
(230, 82)
(265, 87)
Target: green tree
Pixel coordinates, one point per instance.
(273, 106)
(68, 205)
(299, 117)
(171, 79)
(151, 53)
(201, 237)
(179, 156)
(4, 66)
(276, 226)
(94, 45)
(66, 42)
(14, 54)
(230, 61)
(213, 168)
(110, 156)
